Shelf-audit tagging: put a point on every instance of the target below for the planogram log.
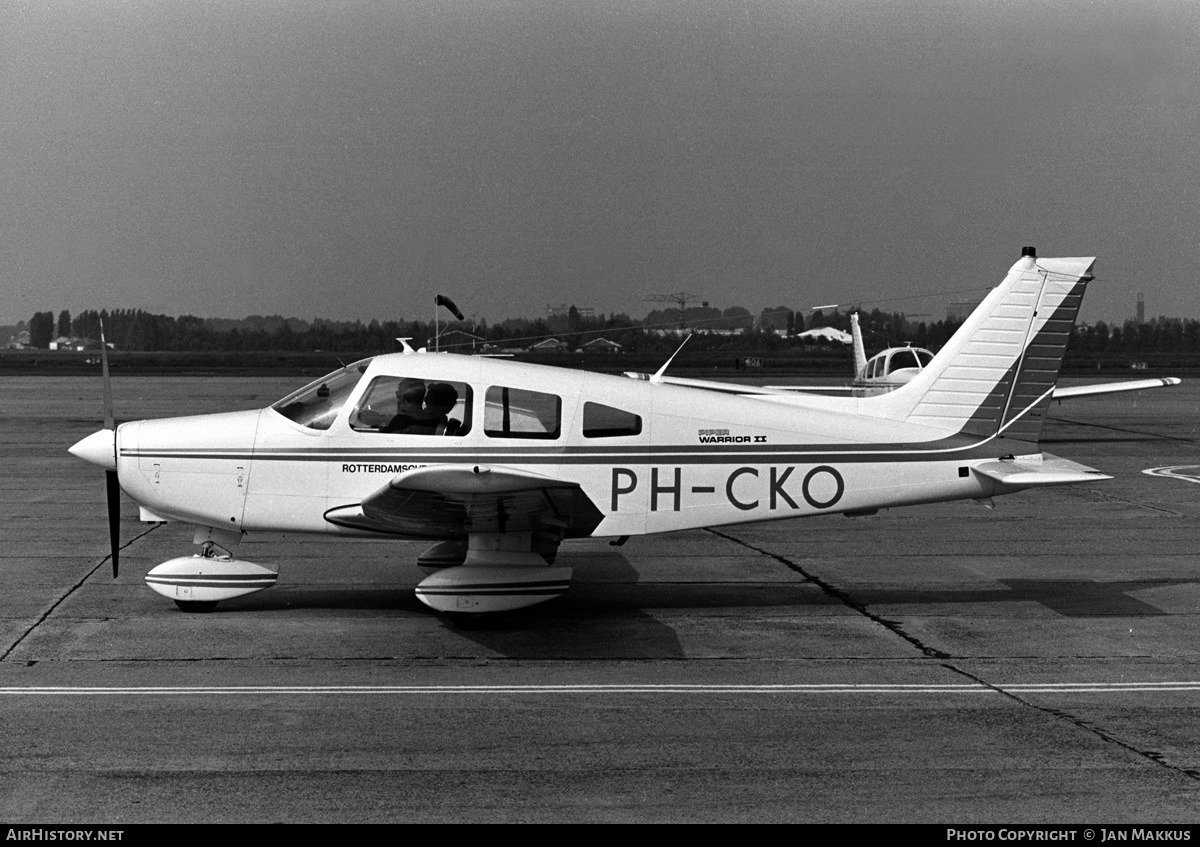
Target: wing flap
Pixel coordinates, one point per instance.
(453, 501)
(1030, 471)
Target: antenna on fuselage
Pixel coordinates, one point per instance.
(658, 375)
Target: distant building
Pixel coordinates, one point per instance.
(602, 345)
(1141, 309)
(550, 345)
(20, 341)
(64, 343)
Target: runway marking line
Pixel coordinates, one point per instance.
(832, 688)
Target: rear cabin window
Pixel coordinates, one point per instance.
(600, 421)
(411, 406)
(520, 413)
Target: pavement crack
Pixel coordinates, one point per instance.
(946, 659)
(1152, 756)
(66, 594)
(843, 597)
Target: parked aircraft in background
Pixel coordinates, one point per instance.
(897, 366)
(497, 463)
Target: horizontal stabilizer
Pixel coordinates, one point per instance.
(1064, 392)
(1042, 469)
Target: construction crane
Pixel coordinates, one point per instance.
(682, 298)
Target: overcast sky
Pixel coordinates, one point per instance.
(348, 160)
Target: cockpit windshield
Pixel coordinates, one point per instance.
(317, 404)
(908, 357)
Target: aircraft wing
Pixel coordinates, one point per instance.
(451, 501)
(1031, 471)
(825, 390)
(1067, 392)
(706, 384)
(737, 388)
(1061, 392)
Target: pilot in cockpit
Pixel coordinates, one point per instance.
(410, 414)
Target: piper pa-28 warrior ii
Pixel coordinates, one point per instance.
(498, 462)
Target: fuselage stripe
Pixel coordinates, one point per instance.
(797, 454)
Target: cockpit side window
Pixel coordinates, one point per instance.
(520, 413)
(411, 406)
(317, 404)
(600, 421)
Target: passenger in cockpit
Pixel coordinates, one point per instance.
(440, 399)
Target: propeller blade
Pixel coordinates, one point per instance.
(114, 515)
(111, 483)
(108, 405)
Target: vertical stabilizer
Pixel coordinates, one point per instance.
(997, 373)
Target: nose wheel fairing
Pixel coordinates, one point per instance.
(202, 580)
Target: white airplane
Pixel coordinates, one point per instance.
(887, 370)
(498, 462)
(891, 368)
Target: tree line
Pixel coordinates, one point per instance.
(135, 329)
(774, 329)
